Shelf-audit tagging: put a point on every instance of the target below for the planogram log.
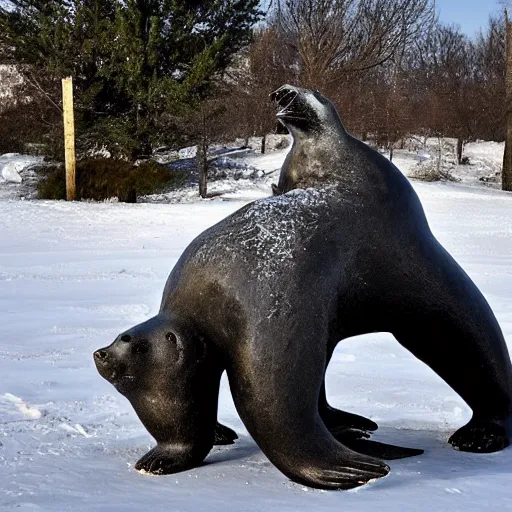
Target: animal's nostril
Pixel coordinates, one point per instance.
(126, 337)
(100, 354)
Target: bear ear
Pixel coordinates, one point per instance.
(170, 336)
(176, 343)
(188, 347)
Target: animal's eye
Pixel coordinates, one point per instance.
(141, 347)
(170, 336)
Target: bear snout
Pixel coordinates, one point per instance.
(100, 355)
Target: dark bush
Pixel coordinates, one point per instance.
(53, 183)
(31, 127)
(152, 177)
(104, 178)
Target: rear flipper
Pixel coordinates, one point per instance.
(338, 421)
(379, 450)
(481, 437)
(447, 323)
(224, 435)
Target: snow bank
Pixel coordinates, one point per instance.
(12, 164)
(483, 167)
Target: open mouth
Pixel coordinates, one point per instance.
(285, 98)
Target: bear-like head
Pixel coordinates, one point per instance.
(156, 354)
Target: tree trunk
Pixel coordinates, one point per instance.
(507, 158)
(440, 154)
(391, 153)
(202, 158)
(263, 144)
(202, 167)
(460, 146)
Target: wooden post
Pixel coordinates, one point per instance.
(507, 158)
(69, 137)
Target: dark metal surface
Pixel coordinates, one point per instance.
(267, 293)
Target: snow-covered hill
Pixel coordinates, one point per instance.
(73, 275)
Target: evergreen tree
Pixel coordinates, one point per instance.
(51, 39)
(166, 55)
(140, 66)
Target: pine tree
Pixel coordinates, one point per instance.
(140, 66)
(167, 55)
(51, 39)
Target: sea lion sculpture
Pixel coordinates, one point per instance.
(267, 293)
(323, 154)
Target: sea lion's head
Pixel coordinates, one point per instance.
(150, 356)
(319, 139)
(304, 111)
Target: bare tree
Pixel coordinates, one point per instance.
(489, 76)
(263, 67)
(333, 37)
(507, 158)
(444, 68)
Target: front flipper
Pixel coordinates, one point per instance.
(276, 191)
(166, 459)
(280, 410)
(481, 437)
(336, 420)
(177, 400)
(224, 435)
(353, 471)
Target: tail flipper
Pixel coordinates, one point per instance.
(358, 441)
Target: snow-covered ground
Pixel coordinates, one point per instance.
(484, 160)
(73, 275)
